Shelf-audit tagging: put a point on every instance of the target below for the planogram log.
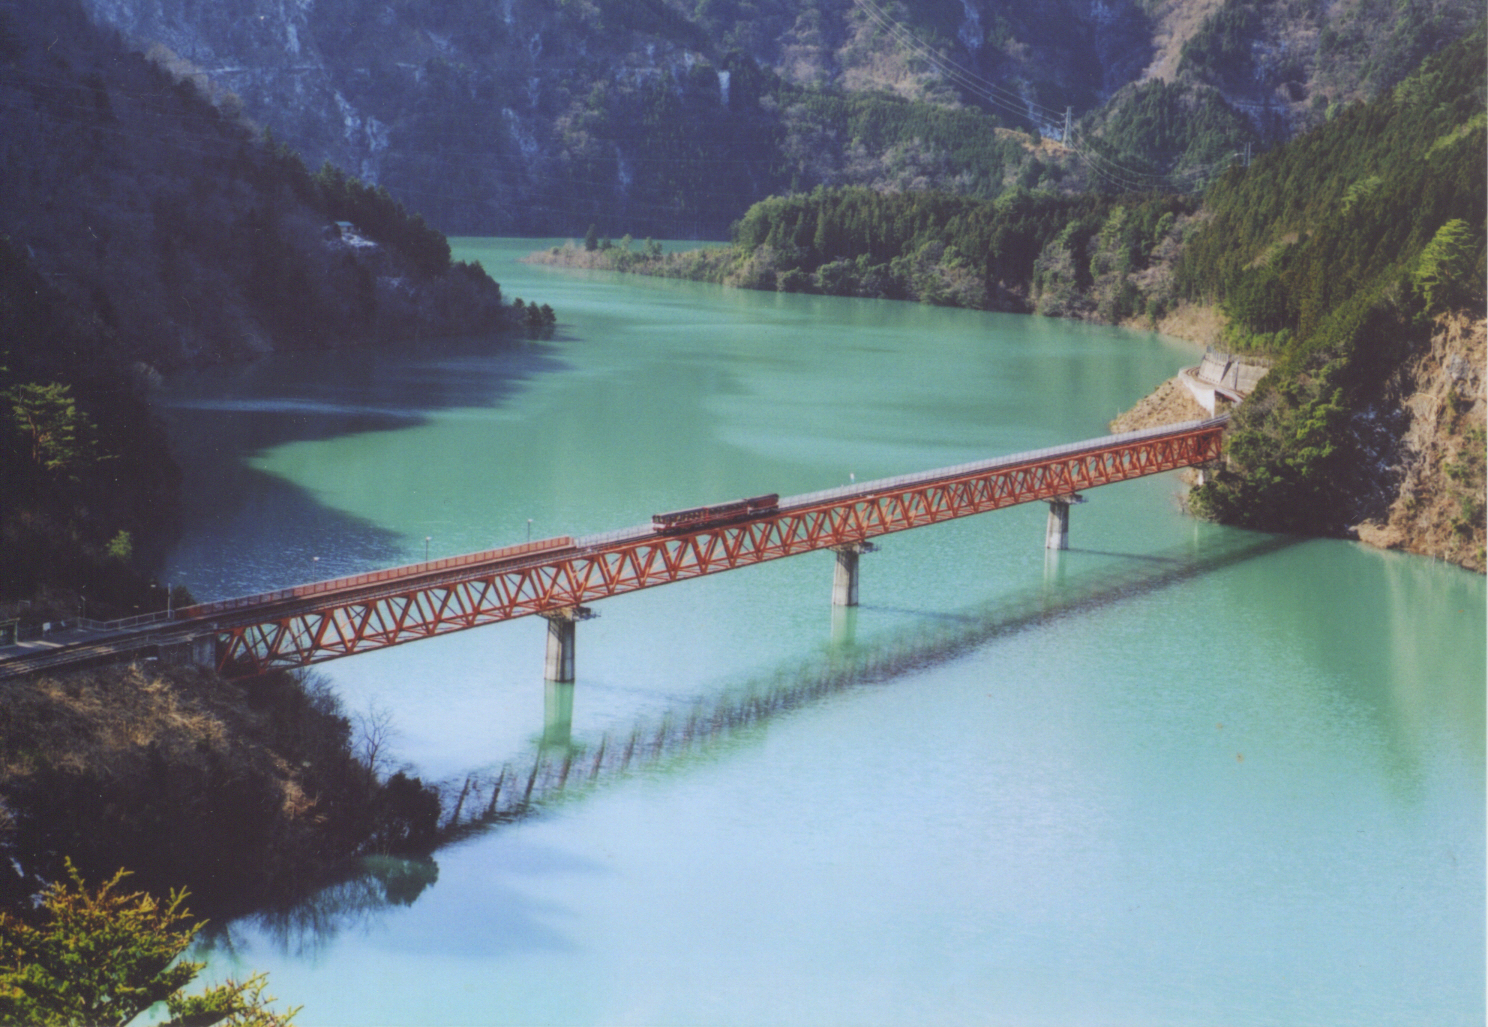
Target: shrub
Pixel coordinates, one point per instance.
(103, 957)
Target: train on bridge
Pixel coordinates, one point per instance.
(554, 578)
(697, 517)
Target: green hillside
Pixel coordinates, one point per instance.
(142, 231)
(1331, 255)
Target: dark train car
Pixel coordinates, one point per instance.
(719, 513)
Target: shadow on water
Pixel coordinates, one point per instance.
(221, 419)
(379, 883)
(1148, 557)
(306, 397)
(929, 615)
(563, 769)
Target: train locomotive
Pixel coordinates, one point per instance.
(698, 517)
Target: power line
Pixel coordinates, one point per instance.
(221, 137)
(1103, 167)
(963, 75)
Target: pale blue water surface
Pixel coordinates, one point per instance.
(1178, 775)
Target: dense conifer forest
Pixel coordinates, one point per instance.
(1332, 254)
(141, 231)
(1329, 255)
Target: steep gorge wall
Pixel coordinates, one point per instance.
(1437, 507)
(650, 117)
(665, 118)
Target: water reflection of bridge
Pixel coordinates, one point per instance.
(555, 578)
(561, 766)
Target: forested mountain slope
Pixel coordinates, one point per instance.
(1342, 256)
(1334, 254)
(141, 230)
(669, 117)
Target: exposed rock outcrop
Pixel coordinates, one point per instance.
(1438, 508)
(1437, 497)
(530, 117)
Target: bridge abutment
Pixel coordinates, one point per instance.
(845, 578)
(559, 665)
(200, 650)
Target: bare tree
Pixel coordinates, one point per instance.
(374, 735)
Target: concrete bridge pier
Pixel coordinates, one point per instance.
(558, 698)
(1054, 569)
(844, 626)
(845, 580)
(1057, 535)
(559, 666)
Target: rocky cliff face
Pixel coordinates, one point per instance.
(1437, 506)
(664, 118)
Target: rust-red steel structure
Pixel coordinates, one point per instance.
(326, 620)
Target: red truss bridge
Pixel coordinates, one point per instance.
(555, 577)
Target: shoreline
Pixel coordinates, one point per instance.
(1199, 325)
(246, 794)
(1432, 465)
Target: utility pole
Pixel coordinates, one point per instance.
(1247, 155)
(1069, 115)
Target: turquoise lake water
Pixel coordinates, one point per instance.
(1180, 774)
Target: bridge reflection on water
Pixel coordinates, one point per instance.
(554, 578)
(561, 767)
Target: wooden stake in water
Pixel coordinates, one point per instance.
(455, 816)
(495, 793)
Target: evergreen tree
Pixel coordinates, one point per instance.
(58, 437)
(1444, 270)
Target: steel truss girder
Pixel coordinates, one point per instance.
(342, 626)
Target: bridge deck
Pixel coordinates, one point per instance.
(324, 620)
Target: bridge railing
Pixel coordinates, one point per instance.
(606, 538)
(868, 488)
(125, 623)
(375, 577)
(562, 542)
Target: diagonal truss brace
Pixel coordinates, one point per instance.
(333, 625)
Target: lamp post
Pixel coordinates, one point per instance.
(314, 568)
(529, 529)
(427, 540)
